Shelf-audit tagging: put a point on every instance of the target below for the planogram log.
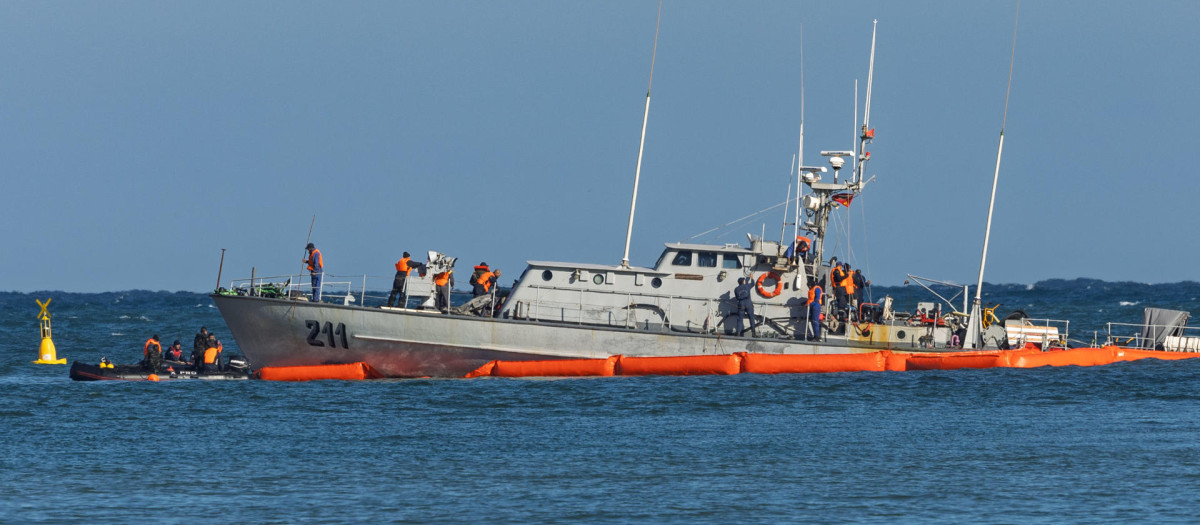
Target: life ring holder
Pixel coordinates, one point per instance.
(778, 285)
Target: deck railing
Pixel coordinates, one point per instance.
(1178, 338)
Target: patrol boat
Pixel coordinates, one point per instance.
(682, 306)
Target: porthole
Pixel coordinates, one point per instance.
(598, 278)
(900, 335)
(656, 282)
(547, 275)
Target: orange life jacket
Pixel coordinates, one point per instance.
(805, 240)
(812, 295)
(848, 283)
(314, 258)
(485, 280)
(836, 276)
(403, 266)
(210, 355)
(151, 342)
(442, 278)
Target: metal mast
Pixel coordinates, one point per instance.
(800, 146)
(974, 337)
(867, 134)
(637, 174)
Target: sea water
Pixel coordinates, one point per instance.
(1116, 443)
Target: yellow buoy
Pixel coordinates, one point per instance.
(47, 354)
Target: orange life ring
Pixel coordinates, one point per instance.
(778, 285)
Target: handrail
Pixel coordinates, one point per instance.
(1063, 327)
(1136, 338)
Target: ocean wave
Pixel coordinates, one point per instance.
(1129, 303)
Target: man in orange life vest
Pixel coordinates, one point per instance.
(212, 356)
(403, 267)
(316, 267)
(152, 354)
(443, 282)
(798, 251)
(483, 279)
(815, 297)
(837, 276)
(174, 352)
(850, 288)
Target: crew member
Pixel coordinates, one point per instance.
(174, 352)
(837, 278)
(483, 279)
(798, 251)
(860, 285)
(212, 356)
(403, 267)
(316, 268)
(815, 297)
(745, 307)
(199, 344)
(443, 282)
(850, 289)
(152, 354)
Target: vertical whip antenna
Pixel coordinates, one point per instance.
(637, 174)
(800, 147)
(860, 155)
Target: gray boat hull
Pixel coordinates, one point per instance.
(409, 343)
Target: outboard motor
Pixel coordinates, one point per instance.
(238, 363)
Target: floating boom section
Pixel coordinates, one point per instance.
(1029, 356)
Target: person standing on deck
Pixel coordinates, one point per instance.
(837, 276)
(483, 280)
(745, 307)
(860, 285)
(316, 268)
(850, 289)
(443, 282)
(815, 297)
(403, 267)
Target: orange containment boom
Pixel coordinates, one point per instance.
(686, 365)
(809, 364)
(728, 364)
(345, 372)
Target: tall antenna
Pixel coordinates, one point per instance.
(800, 147)
(867, 134)
(788, 201)
(637, 174)
(974, 335)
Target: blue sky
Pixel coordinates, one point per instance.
(140, 138)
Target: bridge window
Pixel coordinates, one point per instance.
(707, 259)
(729, 260)
(683, 258)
